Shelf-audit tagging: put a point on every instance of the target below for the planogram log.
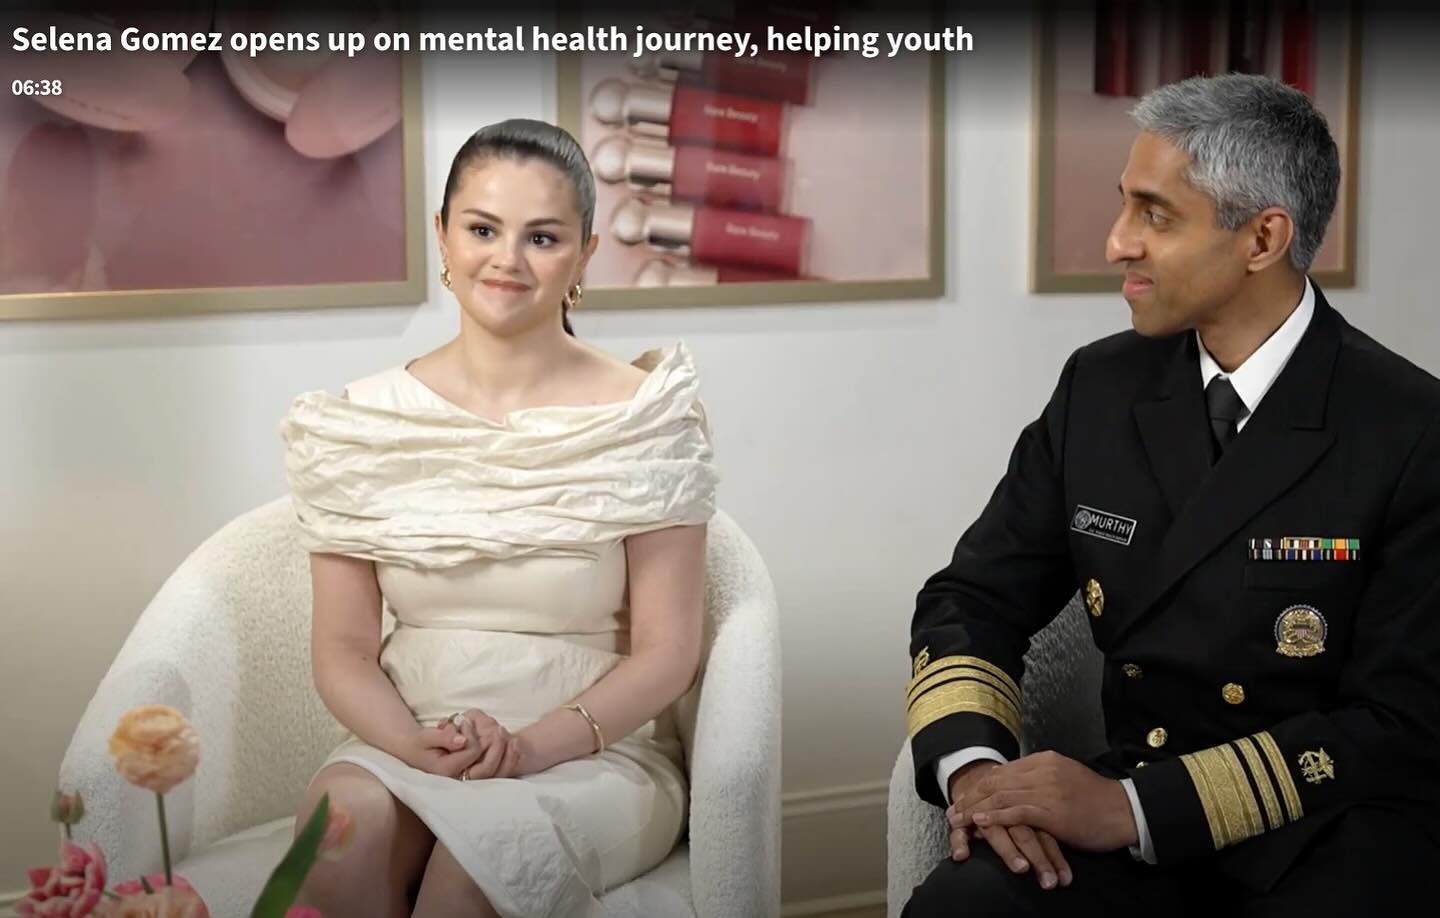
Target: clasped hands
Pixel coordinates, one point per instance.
(470, 745)
(1026, 808)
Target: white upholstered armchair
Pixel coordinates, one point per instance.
(1061, 697)
(226, 641)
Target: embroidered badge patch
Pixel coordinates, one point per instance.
(1316, 766)
(1102, 525)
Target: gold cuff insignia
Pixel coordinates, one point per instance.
(1281, 770)
(1316, 766)
(1228, 778)
(958, 684)
(922, 660)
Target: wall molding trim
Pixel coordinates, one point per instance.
(833, 848)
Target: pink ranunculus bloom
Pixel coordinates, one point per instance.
(156, 881)
(70, 889)
(179, 900)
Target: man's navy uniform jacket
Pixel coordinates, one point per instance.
(1270, 620)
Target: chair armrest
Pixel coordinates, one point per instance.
(915, 836)
(225, 642)
(735, 768)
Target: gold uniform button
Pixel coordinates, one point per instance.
(1233, 693)
(1094, 597)
(1133, 670)
(1157, 737)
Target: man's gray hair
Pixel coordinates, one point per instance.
(1253, 142)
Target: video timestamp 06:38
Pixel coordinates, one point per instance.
(36, 87)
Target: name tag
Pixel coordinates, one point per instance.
(1101, 524)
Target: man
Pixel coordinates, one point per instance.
(1246, 491)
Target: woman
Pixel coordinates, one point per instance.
(533, 513)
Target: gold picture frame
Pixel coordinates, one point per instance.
(405, 245)
(927, 281)
(1068, 229)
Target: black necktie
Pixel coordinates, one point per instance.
(1226, 409)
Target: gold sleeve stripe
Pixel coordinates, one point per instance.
(935, 666)
(963, 696)
(962, 674)
(1001, 678)
(1230, 807)
(1262, 781)
(1283, 780)
(950, 674)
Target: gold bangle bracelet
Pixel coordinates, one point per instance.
(594, 727)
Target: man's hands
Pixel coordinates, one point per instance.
(1019, 846)
(1050, 793)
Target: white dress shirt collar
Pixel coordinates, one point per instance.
(1253, 378)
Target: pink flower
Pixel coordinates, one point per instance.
(71, 889)
(339, 831)
(156, 881)
(179, 900)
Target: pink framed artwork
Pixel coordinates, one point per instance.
(1094, 60)
(778, 177)
(174, 183)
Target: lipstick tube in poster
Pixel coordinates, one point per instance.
(705, 175)
(1297, 46)
(662, 272)
(1248, 22)
(1185, 40)
(777, 242)
(1117, 48)
(683, 114)
(769, 75)
(783, 15)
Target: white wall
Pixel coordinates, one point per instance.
(856, 441)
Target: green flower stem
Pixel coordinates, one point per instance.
(67, 831)
(164, 839)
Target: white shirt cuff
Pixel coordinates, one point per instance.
(1145, 851)
(949, 764)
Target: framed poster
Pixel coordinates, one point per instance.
(774, 178)
(138, 183)
(1094, 60)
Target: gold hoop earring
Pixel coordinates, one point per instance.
(445, 276)
(574, 296)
